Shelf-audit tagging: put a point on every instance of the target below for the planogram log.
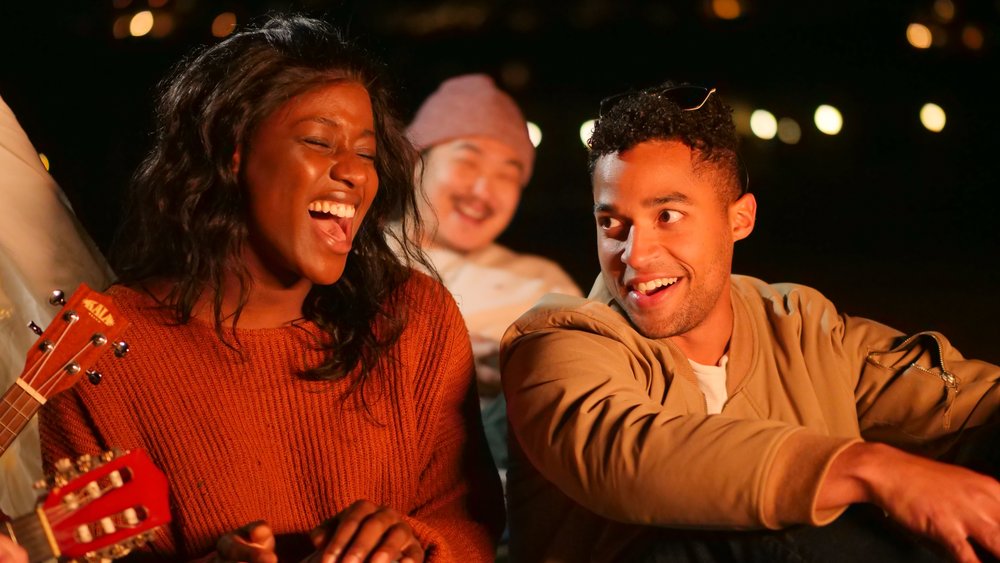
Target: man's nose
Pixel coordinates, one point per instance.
(640, 248)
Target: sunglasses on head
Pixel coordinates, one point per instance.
(687, 97)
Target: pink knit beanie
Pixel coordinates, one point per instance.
(472, 105)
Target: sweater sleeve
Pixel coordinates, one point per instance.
(459, 513)
(587, 423)
(917, 392)
(67, 430)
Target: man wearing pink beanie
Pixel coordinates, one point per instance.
(477, 157)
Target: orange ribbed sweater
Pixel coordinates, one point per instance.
(242, 438)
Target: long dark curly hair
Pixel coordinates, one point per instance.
(185, 221)
(632, 118)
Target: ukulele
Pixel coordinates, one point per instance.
(97, 508)
(72, 342)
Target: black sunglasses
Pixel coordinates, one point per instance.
(687, 97)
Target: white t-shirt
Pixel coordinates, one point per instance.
(494, 286)
(712, 381)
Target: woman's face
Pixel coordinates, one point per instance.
(309, 172)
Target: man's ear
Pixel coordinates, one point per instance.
(742, 216)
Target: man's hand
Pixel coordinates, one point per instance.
(946, 503)
(487, 357)
(253, 543)
(10, 552)
(365, 532)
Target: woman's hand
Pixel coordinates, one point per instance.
(10, 552)
(365, 531)
(253, 543)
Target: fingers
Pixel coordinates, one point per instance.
(253, 543)
(11, 552)
(367, 532)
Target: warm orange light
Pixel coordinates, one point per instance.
(945, 10)
(223, 24)
(972, 37)
(141, 23)
(120, 28)
(162, 25)
(919, 35)
(727, 9)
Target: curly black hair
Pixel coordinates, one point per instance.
(186, 218)
(655, 114)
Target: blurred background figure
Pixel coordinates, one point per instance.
(477, 158)
(42, 248)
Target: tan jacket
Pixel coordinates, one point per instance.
(611, 431)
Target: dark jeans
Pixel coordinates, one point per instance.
(862, 533)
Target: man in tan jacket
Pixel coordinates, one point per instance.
(682, 413)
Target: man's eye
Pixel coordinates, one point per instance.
(608, 223)
(669, 216)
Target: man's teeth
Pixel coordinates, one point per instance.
(337, 209)
(646, 287)
(477, 212)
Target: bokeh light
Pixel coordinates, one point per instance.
(972, 37)
(828, 119)
(763, 124)
(933, 117)
(535, 134)
(586, 130)
(44, 159)
(945, 10)
(223, 24)
(141, 23)
(727, 9)
(789, 131)
(919, 35)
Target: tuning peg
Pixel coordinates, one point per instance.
(94, 376)
(121, 348)
(57, 298)
(35, 328)
(71, 317)
(98, 340)
(72, 368)
(46, 346)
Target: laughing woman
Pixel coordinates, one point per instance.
(304, 390)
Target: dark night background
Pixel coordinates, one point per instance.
(891, 221)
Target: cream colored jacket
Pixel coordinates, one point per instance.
(611, 434)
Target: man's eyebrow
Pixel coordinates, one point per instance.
(672, 197)
(469, 146)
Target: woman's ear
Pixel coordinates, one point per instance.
(235, 166)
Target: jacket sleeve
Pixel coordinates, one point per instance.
(581, 411)
(459, 513)
(917, 392)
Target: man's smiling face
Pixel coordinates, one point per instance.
(665, 236)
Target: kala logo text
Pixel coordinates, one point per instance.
(99, 312)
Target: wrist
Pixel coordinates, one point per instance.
(858, 474)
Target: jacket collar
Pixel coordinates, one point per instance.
(743, 344)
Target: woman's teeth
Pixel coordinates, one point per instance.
(331, 208)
